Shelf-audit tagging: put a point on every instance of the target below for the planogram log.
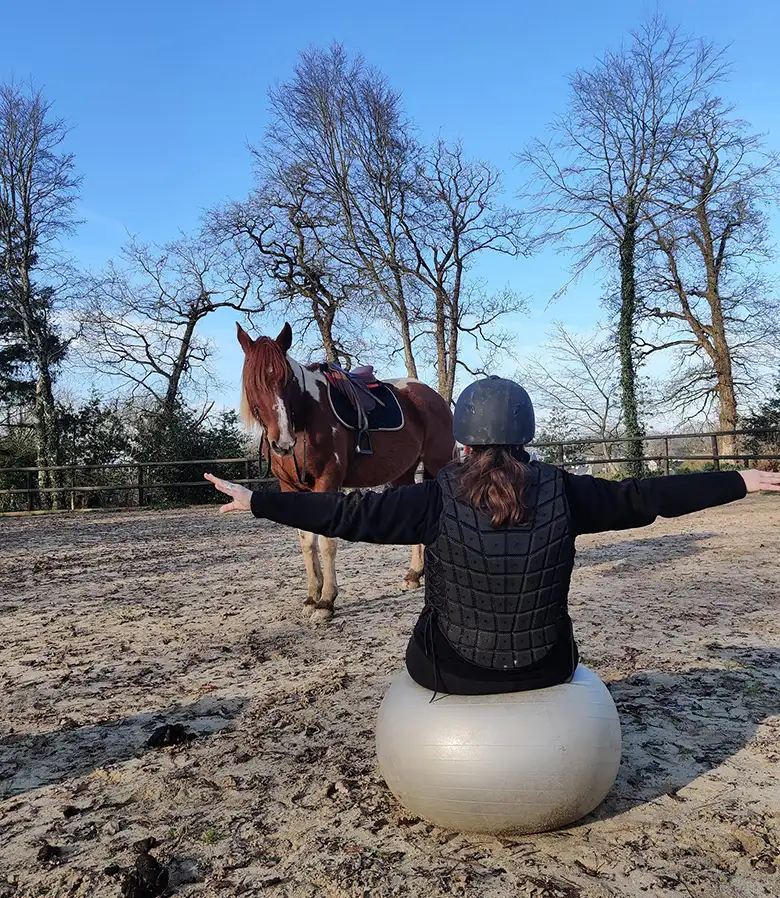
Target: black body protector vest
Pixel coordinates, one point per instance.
(500, 595)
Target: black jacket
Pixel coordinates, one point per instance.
(410, 515)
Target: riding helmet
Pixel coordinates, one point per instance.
(494, 412)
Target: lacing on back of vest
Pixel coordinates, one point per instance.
(431, 622)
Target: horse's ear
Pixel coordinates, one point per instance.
(285, 339)
(244, 339)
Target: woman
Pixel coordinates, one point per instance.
(499, 531)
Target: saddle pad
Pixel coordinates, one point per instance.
(387, 416)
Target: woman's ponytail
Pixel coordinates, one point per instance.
(492, 478)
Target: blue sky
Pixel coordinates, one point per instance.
(164, 97)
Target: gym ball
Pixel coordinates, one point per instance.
(520, 762)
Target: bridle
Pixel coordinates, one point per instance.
(266, 452)
(265, 446)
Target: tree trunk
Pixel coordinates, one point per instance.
(46, 426)
(402, 314)
(634, 431)
(724, 379)
(728, 417)
(325, 325)
(441, 345)
(174, 383)
(720, 351)
(41, 442)
(45, 409)
(329, 346)
(453, 349)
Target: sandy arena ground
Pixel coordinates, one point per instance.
(113, 624)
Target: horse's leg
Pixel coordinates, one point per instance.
(323, 610)
(325, 547)
(311, 558)
(415, 572)
(413, 575)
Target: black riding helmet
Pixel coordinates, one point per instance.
(494, 412)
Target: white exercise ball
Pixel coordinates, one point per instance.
(520, 762)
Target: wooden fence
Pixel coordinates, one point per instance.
(141, 484)
(569, 454)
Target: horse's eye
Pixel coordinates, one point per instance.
(256, 412)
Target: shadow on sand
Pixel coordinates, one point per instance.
(29, 762)
(679, 726)
(633, 554)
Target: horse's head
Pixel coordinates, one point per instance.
(268, 386)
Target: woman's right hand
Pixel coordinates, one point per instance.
(241, 496)
(756, 481)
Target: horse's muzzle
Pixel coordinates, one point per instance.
(283, 451)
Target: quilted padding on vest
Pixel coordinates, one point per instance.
(501, 594)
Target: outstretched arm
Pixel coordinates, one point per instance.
(404, 516)
(598, 505)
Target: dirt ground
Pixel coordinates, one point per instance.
(114, 624)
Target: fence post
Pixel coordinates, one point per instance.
(666, 456)
(29, 491)
(715, 453)
(248, 473)
(141, 493)
(561, 455)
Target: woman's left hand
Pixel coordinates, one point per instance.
(761, 481)
(241, 496)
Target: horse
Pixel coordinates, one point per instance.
(311, 449)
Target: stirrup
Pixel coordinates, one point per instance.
(359, 449)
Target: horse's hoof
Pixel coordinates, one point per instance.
(308, 608)
(411, 581)
(321, 615)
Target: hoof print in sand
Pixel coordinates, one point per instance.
(49, 854)
(150, 878)
(169, 734)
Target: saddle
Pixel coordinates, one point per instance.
(362, 403)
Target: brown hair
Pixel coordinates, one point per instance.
(265, 369)
(493, 478)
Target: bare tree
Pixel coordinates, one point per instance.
(394, 226)
(594, 180)
(577, 380)
(38, 192)
(705, 287)
(140, 325)
(339, 120)
(455, 216)
(281, 232)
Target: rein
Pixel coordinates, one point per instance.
(266, 454)
(300, 473)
